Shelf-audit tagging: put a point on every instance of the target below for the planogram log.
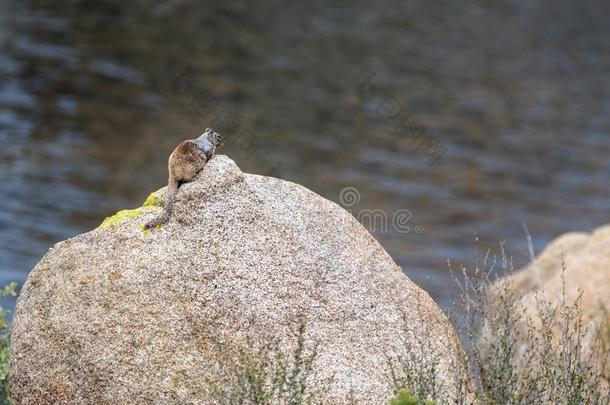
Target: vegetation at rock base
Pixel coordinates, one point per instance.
(7, 291)
(405, 397)
(265, 374)
(416, 367)
(550, 356)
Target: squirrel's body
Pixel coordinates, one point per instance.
(188, 159)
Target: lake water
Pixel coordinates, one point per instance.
(513, 95)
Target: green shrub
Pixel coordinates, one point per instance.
(516, 355)
(7, 291)
(265, 374)
(414, 367)
(520, 357)
(405, 397)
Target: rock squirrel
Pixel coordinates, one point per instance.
(188, 159)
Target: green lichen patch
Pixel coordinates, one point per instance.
(122, 216)
(153, 200)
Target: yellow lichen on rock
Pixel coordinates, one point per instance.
(154, 199)
(122, 216)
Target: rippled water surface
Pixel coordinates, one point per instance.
(93, 97)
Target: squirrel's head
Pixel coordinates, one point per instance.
(213, 136)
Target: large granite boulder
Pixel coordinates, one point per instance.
(120, 315)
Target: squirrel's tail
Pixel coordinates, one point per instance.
(172, 189)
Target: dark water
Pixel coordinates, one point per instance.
(94, 95)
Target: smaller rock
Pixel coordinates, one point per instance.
(578, 260)
(575, 266)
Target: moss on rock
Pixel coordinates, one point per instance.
(153, 200)
(122, 216)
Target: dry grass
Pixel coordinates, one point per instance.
(516, 354)
(264, 374)
(548, 357)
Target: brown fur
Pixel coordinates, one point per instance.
(185, 162)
